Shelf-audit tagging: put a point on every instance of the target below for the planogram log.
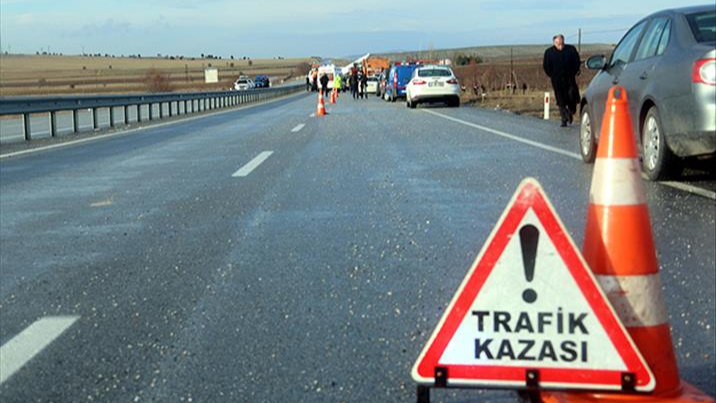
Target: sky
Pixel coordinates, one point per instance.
(289, 28)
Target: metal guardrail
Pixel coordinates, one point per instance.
(191, 102)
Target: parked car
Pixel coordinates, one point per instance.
(381, 84)
(243, 83)
(372, 85)
(433, 84)
(262, 81)
(397, 79)
(667, 64)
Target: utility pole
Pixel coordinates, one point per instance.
(512, 70)
(579, 41)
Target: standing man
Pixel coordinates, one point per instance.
(561, 64)
(324, 84)
(353, 81)
(364, 85)
(337, 83)
(314, 80)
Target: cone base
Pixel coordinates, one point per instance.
(686, 393)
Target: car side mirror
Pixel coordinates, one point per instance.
(596, 62)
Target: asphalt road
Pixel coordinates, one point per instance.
(263, 255)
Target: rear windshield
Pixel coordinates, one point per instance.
(434, 73)
(703, 25)
(243, 82)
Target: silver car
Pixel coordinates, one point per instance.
(667, 64)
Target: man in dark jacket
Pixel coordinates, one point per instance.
(324, 84)
(561, 64)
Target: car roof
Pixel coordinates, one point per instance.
(684, 10)
(432, 66)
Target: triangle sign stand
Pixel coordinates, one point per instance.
(531, 315)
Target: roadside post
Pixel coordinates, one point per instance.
(546, 105)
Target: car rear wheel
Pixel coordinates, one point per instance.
(587, 141)
(659, 162)
(409, 103)
(454, 103)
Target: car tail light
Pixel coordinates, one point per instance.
(395, 79)
(704, 72)
(418, 82)
(452, 81)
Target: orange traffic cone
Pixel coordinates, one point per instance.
(333, 96)
(321, 110)
(619, 248)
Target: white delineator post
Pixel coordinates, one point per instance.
(546, 106)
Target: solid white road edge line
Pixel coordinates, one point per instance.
(675, 185)
(121, 132)
(298, 128)
(20, 349)
(253, 164)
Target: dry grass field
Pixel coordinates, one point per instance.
(44, 74)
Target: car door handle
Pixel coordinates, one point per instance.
(644, 75)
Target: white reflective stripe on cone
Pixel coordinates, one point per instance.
(617, 182)
(636, 299)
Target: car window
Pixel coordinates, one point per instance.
(664, 41)
(650, 42)
(434, 73)
(623, 51)
(703, 26)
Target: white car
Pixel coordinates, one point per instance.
(372, 85)
(243, 83)
(433, 84)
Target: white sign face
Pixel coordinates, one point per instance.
(557, 329)
(529, 303)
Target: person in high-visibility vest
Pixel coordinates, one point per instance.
(337, 83)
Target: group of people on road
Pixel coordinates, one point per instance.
(358, 82)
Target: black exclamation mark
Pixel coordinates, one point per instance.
(529, 237)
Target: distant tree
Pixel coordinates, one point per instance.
(251, 62)
(202, 55)
(232, 57)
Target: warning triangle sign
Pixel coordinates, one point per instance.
(530, 313)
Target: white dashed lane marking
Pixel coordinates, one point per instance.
(22, 348)
(253, 164)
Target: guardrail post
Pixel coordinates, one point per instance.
(76, 120)
(53, 124)
(26, 126)
(139, 112)
(95, 120)
(161, 109)
(151, 111)
(111, 116)
(171, 104)
(126, 115)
